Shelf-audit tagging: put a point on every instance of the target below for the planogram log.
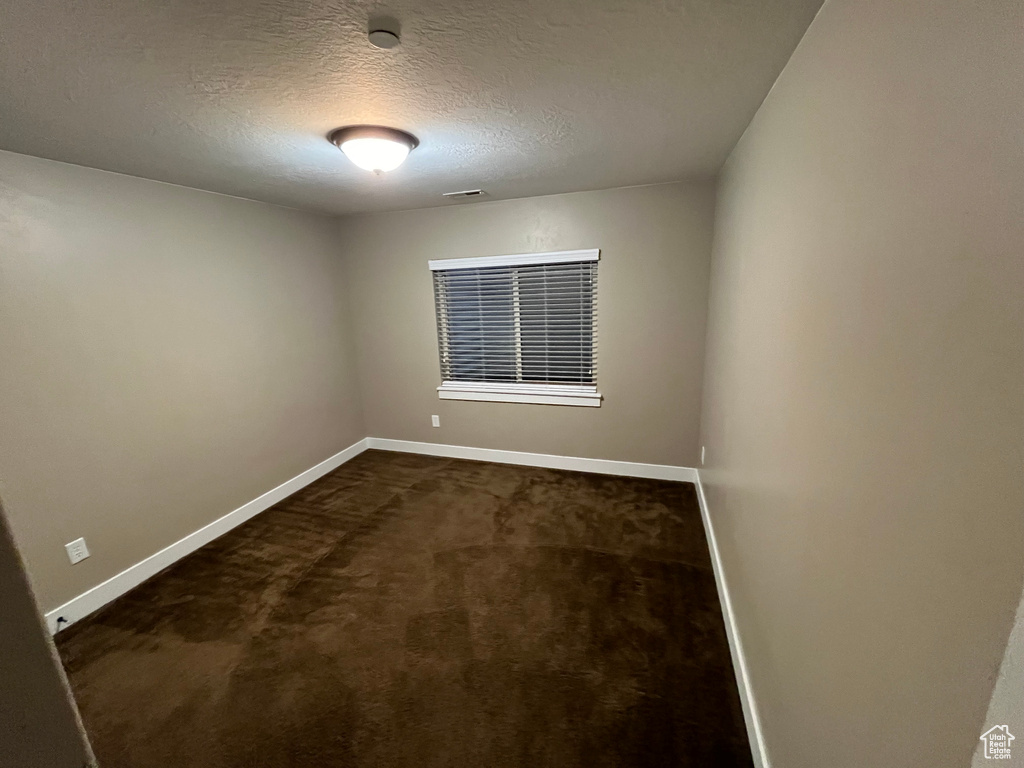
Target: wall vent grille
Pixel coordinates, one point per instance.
(465, 193)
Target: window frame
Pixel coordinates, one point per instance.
(517, 392)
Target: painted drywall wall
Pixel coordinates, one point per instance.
(652, 301)
(39, 723)
(864, 396)
(168, 355)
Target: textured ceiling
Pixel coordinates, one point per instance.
(520, 97)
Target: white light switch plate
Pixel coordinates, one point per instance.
(435, 420)
(77, 551)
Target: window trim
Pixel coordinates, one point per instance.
(519, 392)
(516, 260)
(515, 392)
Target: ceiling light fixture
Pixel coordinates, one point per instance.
(374, 147)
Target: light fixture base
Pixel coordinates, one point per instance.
(341, 135)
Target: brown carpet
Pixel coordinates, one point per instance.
(415, 611)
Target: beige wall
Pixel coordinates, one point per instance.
(652, 300)
(864, 398)
(39, 723)
(167, 356)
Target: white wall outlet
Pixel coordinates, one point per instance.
(435, 420)
(702, 455)
(77, 551)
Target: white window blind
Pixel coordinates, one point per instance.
(520, 328)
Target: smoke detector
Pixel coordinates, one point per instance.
(384, 32)
(383, 38)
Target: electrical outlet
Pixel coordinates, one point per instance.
(77, 551)
(702, 455)
(435, 420)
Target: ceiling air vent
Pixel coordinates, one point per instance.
(464, 193)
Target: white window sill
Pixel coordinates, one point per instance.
(520, 393)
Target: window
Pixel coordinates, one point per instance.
(519, 329)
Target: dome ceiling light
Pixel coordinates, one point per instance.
(374, 147)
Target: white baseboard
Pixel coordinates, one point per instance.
(549, 461)
(739, 661)
(114, 587)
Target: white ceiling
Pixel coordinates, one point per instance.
(519, 97)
